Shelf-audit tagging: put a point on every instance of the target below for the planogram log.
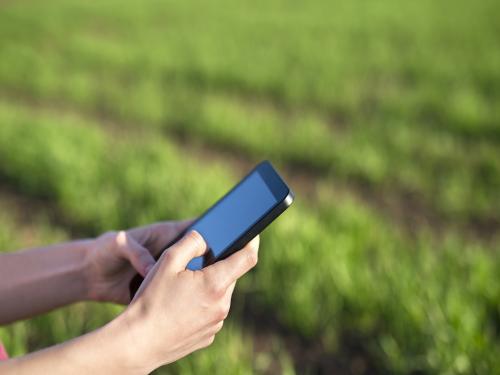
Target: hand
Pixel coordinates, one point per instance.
(177, 311)
(115, 257)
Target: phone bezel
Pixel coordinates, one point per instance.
(272, 179)
(284, 198)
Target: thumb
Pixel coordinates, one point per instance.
(236, 265)
(138, 256)
(192, 245)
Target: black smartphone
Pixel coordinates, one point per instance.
(237, 217)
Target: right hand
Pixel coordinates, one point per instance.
(178, 311)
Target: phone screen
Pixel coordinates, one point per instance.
(234, 215)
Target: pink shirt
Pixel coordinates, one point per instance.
(3, 353)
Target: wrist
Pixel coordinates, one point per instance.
(88, 277)
(129, 342)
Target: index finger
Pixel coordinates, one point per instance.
(158, 236)
(232, 268)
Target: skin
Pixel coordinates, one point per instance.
(174, 313)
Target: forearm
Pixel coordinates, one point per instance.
(38, 280)
(107, 350)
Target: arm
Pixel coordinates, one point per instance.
(175, 312)
(39, 280)
(102, 351)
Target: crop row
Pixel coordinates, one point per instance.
(302, 54)
(425, 125)
(336, 267)
(422, 163)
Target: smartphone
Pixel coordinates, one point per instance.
(236, 218)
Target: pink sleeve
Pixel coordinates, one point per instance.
(3, 353)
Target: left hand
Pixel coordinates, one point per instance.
(115, 257)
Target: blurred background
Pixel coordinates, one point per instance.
(384, 116)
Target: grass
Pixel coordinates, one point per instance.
(207, 85)
(396, 103)
(366, 278)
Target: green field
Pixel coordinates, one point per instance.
(385, 117)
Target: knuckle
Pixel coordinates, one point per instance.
(219, 326)
(207, 342)
(214, 286)
(107, 239)
(196, 238)
(120, 238)
(216, 289)
(210, 340)
(221, 313)
(254, 244)
(251, 258)
(109, 236)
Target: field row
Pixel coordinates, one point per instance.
(425, 124)
(339, 269)
(421, 165)
(342, 59)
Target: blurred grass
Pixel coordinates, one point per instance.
(397, 99)
(405, 95)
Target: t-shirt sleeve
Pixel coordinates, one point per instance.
(3, 353)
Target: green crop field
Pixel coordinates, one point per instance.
(384, 116)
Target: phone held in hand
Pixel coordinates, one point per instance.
(240, 215)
